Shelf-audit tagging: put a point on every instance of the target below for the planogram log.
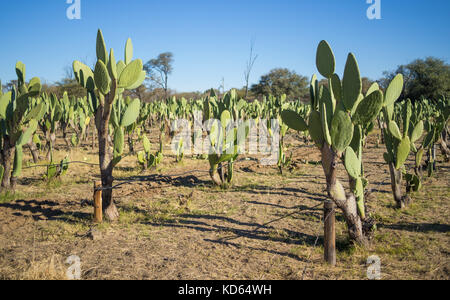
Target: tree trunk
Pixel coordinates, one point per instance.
(396, 184)
(336, 193)
(64, 130)
(51, 142)
(130, 143)
(380, 125)
(105, 159)
(34, 152)
(7, 159)
(93, 138)
(444, 148)
(215, 177)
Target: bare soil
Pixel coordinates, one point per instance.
(175, 225)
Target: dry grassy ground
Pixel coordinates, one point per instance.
(181, 227)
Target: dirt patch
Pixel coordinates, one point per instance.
(175, 225)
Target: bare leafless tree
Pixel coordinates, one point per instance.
(249, 67)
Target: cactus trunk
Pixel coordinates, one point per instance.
(131, 143)
(7, 159)
(105, 158)
(444, 147)
(396, 184)
(34, 151)
(347, 203)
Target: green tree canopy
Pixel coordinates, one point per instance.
(424, 78)
(282, 81)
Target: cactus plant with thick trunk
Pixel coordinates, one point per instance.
(19, 112)
(338, 123)
(105, 86)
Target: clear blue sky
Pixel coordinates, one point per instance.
(211, 39)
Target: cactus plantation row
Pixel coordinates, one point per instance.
(338, 121)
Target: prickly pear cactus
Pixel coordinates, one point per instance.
(19, 115)
(337, 123)
(401, 130)
(226, 137)
(105, 86)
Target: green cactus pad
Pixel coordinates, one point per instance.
(141, 157)
(102, 54)
(351, 83)
(293, 120)
(5, 99)
(374, 87)
(394, 130)
(35, 112)
(352, 163)
(119, 141)
(327, 99)
(25, 137)
(128, 51)
(84, 75)
(225, 118)
(341, 131)
(20, 71)
(112, 65)
(315, 128)
(325, 60)
(139, 82)
(429, 138)
(131, 113)
(336, 87)
(323, 118)
(146, 144)
(417, 132)
(394, 90)
(356, 143)
(419, 156)
(359, 188)
(402, 152)
(368, 109)
(407, 113)
(18, 157)
(101, 77)
(130, 74)
(120, 67)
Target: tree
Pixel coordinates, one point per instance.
(427, 78)
(282, 81)
(159, 69)
(249, 67)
